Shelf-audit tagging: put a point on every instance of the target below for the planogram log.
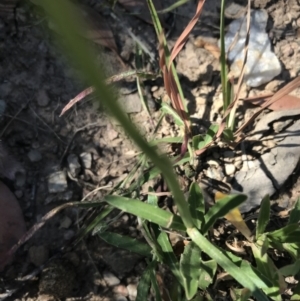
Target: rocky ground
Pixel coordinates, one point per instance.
(65, 158)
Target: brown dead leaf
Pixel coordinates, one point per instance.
(185, 34)
(139, 8)
(287, 102)
(12, 224)
(271, 101)
(169, 81)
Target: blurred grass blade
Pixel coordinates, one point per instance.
(146, 211)
(190, 268)
(264, 216)
(295, 213)
(197, 205)
(145, 282)
(207, 273)
(127, 243)
(221, 208)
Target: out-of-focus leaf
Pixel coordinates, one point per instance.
(207, 272)
(12, 224)
(197, 205)
(190, 268)
(127, 243)
(146, 211)
(264, 216)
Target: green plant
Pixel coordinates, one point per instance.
(194, 271)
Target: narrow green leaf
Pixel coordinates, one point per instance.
(295, 213)
(145, 282)
(289, 233)
(197, 204)
(293, 249)
(221, 208)
(262, 262)
(190, 267)
(152, 199)
(177, 139)
(244, 274)
(209, 136)
(264, 216)
(228, 135)
(155, 285)
(146, 211)
(207, 273)
(291, 269)
(169, 256)
(127, 243)
(173, 6)
(94, 223)
(246, 268)
(167, 109)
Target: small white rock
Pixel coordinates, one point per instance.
(110, 279)
(132, 291)
(213, 163)
(229, 169)
(74, 166)
(57, 182)
(86, 159)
